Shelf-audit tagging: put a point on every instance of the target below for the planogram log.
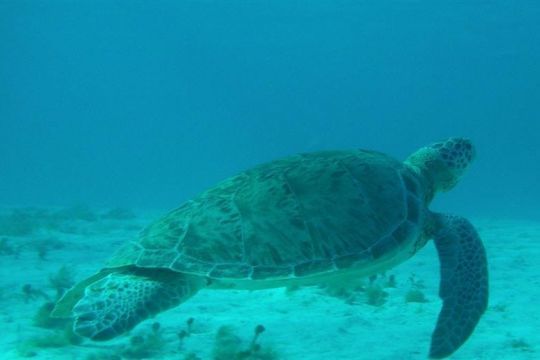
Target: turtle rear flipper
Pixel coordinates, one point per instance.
(464, 284)
(119, 301)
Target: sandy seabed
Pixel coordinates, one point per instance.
(311, 323)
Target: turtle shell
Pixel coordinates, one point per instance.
(302, 215)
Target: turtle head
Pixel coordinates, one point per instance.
(443, 163)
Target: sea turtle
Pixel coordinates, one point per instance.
(326, 216)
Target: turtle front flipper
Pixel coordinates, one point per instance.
(119, 301)
(464, 283)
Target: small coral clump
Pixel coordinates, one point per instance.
(416, 296)
(415, 293)
(20, 222)
(375, 295)
(347, 291)
(374, 292)
(30, 293)
(6, 248)
(229, 346)
(146, 345)
(391, 281)
(521, 344)
(62, 280)
(184, 333)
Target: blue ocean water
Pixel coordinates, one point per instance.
(143, 104)
(146, 104)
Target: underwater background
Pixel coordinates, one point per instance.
(113, 112)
